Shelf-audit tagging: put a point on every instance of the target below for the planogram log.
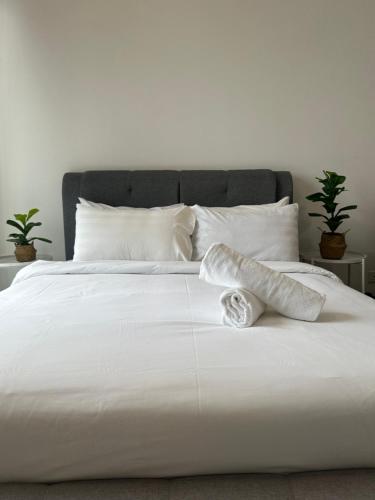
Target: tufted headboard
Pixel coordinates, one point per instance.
(151, 188)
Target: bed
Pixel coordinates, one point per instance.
(111, 371)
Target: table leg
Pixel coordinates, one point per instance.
(349, 275)
(363, 276)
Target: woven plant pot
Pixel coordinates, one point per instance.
(25, 253)
(332, 246)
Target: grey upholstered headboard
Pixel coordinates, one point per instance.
(151, 188)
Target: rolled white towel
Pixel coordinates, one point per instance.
(225, 267)
(240, 307)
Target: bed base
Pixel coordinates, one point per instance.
(356, 484)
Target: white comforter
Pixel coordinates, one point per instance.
(123, 369)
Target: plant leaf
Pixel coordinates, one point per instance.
(21, 218)
(348, 207)
(333, 224)
(20, 239)
(40, 239)
(342, 217)
(30, 225)
(313, 214)
(340, 179)
(31, 213)
(15, 224)
(330, 206)
(316, 197)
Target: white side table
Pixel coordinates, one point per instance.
(9, 267)
(348, 259)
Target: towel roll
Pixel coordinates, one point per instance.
(240, 308)
(224, 266)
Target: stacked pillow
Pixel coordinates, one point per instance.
(179, 232)
(124, 233)
(262, 232)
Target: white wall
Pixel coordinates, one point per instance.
(173, 83)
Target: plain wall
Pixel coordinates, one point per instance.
(187, 84)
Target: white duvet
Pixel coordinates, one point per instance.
(124, 370)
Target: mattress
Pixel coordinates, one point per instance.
(123, 369)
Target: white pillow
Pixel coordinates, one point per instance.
(281, 203)
(257, 231)
(124, 233)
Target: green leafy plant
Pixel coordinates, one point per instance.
(24, 226)
(332, 187)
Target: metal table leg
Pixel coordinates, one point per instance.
(363, 282)
(349, 274)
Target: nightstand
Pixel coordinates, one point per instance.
(9, 267)
(349, 258)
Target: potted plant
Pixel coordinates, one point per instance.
(25, 250)
(332, 244)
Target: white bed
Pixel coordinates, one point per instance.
(122, 369)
